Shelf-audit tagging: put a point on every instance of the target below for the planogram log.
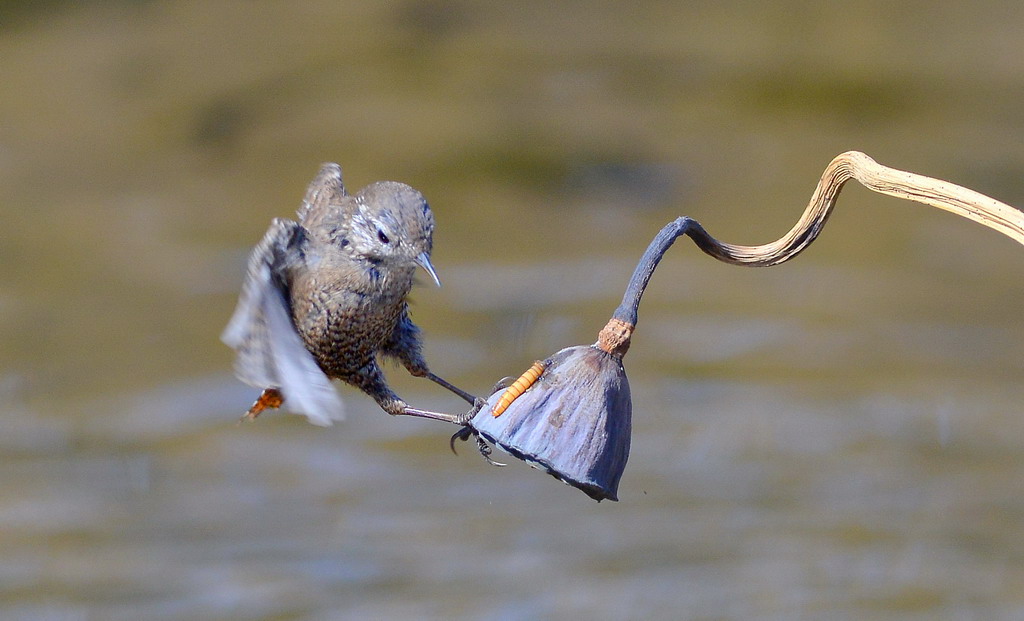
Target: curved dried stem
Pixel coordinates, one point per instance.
(850, 165)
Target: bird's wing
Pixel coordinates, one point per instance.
(248, 324)
(325, 189)
(270, 352)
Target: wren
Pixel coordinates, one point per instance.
(326, 297)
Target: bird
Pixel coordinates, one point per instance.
(325, 297)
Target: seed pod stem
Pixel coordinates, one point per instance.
(845, 166)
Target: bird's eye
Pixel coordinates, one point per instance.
(382, 237)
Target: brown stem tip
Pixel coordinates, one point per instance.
(614, 337)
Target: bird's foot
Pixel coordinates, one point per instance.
(269, 398)
(485, 452)
(465, 434)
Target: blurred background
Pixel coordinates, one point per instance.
(840, 437)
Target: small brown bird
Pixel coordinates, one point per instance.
(325, 296)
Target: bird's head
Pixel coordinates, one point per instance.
(392, 224)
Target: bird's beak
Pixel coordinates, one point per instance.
(424, 261)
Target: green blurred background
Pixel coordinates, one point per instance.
(840, 437)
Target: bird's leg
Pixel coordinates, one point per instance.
(442, 382)
(405, 345)
(371, 381)
(269, 398)
(458, 419)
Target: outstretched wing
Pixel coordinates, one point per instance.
(325, 189)
(270, 352)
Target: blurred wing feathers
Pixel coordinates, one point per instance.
(270, 352)
(307, 390)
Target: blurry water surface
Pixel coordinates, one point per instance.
(841, 437)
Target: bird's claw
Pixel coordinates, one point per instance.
(467, 432)
(270, 398)
(503, 383)
(485, 452)
(462, 434)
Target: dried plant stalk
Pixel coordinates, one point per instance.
(571, 414)
(850, 165)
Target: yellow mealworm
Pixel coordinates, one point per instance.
(518, 387)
